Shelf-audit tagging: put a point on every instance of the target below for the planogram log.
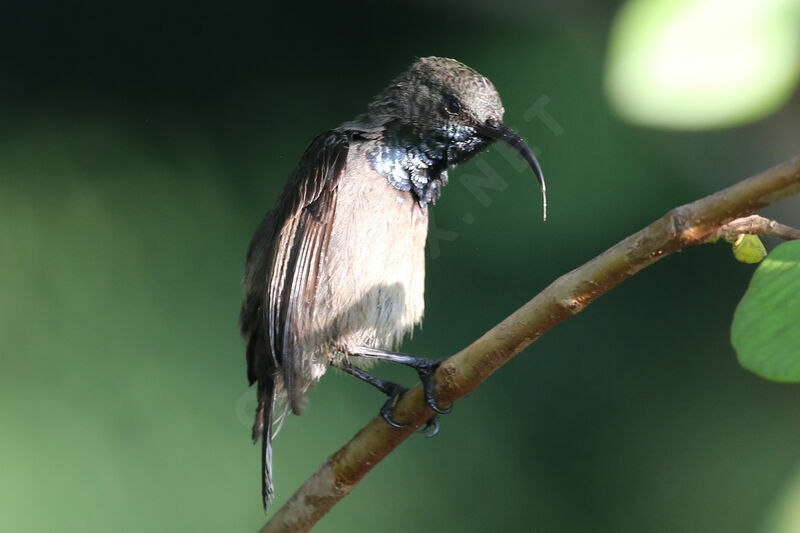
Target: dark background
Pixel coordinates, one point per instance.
(139, 148)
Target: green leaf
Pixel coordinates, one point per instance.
(766, 325)
(749, 249)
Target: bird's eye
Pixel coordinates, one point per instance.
(452, 104)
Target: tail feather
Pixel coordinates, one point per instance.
(263, 427)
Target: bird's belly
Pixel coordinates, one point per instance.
(374, 268)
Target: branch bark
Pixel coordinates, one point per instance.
(757, 225)
(695, 223)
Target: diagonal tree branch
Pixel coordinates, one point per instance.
(690, 224)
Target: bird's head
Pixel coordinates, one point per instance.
(450, 109)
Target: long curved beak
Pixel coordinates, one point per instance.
(501, 132)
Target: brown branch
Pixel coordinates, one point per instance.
(687, 225)
(757, 225)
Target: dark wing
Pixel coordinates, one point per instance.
(280, 282)
(303, 243)
(283, 262)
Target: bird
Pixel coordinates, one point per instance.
(335, 272)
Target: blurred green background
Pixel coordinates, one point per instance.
(141, 145)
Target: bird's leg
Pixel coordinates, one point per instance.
(393, 391)
(390, 389)
(425, 368)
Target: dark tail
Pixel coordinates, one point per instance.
(262, 427)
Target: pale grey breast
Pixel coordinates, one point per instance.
(374, 269)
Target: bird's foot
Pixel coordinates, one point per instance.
(426, 368)
(387, 408)
(431, 427)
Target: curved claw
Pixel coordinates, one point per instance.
(428, 385)
(441, 410)
(433, 422)
(388, 406)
